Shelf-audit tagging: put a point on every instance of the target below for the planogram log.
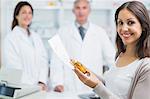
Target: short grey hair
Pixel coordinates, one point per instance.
(77, 1)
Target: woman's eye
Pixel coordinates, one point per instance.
(30, 12)
(23, 12)
(131, 22)
(120, 23)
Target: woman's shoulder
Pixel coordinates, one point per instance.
(146, 60)
(14, 32)
(11, 35)
(145, 64)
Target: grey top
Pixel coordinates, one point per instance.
(139, 87)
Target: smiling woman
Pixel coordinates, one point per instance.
(130, 79)
(135, 23)
(129, 27)
(24, 49)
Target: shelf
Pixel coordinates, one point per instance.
(53, 14)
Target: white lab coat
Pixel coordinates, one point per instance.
(92, 52)
(26, 54)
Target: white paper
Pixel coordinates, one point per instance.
(59, 49)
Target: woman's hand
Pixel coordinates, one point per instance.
(59, 88)
(90, 80)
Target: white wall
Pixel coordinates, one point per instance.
(48, 17)
(0, 33)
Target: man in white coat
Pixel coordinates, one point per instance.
(91, 50)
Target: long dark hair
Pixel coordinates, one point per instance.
(143, 44)
(17, 10)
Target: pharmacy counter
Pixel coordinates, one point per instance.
(51, 95)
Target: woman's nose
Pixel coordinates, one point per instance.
(125, 27)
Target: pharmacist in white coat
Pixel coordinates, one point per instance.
(93, 50)
(24, 49)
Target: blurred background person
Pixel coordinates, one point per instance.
(24, 49)
(85, 42)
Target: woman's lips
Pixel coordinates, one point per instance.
(127, 35)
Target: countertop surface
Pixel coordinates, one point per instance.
(52, 95)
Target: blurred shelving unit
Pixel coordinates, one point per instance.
(49, 15)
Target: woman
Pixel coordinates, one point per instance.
(130, 79)
(24, 49)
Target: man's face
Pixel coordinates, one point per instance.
(81, 11)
